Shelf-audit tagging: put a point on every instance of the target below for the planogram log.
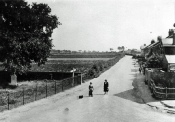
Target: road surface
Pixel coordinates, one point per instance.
(118, 106)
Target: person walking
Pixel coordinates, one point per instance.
(106, 85)
(91, 88)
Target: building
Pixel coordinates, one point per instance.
(164, 49)
(168, 45)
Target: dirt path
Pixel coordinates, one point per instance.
(121, 104)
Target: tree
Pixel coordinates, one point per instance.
(122, 48)
(155, 61)
(25, 34)
(152, 41)
(111, 49)
(119, 48)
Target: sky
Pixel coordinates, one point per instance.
(103, 24)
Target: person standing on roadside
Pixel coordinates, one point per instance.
(91, 88)
(106, 85)
(140, 70)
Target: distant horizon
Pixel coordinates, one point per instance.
(95, 50)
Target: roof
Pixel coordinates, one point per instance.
(147, 46)
(152, 45)
(170, 59)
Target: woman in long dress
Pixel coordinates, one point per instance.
(106, 85)
(91, 88)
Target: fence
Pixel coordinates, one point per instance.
(10, 100)
(162, 92)
(5, 76)
(161, 84)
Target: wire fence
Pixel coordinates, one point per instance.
(10, 100)
(13, 99)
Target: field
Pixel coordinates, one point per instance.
(85, 55)
(66, 62)
(81, 62)
(82, 59)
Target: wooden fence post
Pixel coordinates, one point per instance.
(73, 80)
(46, 88)
(36, 92)
(81, 78)
(62, 85)
(166, 92)
(23, 96)
(8, 100)
(55, 87)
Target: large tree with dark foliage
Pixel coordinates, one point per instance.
(122, 48)
(25, 34)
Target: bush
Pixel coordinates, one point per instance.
(91, 72)
(100, 66)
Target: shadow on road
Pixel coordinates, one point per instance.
(130, 95)
(140, 93)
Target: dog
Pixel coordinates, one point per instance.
(80, 97)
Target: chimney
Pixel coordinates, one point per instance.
(171, 31)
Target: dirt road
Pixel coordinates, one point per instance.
(120, 105)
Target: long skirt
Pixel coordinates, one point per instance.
(106, 89)
(90, 93)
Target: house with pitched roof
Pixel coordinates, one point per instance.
(165, 49)
(168, 45)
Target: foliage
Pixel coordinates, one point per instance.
(96, 68)
(25, 34)
(152, 41)
(91, 72)
(103, 65)
(166, 79)
(137, 56)
(122, 48)
(154, 61)
(159, 38)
